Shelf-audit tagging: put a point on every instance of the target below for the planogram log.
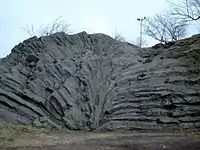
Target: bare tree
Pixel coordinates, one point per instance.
(165, 28)
(119, 37)
(45, 30)
(29, 30)
(188, 10)
(137, 42)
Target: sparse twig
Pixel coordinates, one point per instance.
(188, 10)
(45, 30)
(165, 28)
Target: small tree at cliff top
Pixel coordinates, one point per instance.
(119, 37)
(58, 25)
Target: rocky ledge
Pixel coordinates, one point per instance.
(93, 82)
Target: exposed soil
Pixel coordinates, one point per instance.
(145, 141)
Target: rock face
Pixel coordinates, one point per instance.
(93, 82)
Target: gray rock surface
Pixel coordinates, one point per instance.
(93, 82)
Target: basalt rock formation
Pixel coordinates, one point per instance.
(93, 82)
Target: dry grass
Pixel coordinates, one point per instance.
(16, 135)
(12, 134)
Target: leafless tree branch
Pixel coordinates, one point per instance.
(165, 28)
(188, 10)
(45, 30)
(119, 37)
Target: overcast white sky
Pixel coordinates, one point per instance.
(102, 16)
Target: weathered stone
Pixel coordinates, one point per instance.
(93, 82)
(32, 58)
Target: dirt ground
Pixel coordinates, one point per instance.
(20, 137)
(118, 141)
